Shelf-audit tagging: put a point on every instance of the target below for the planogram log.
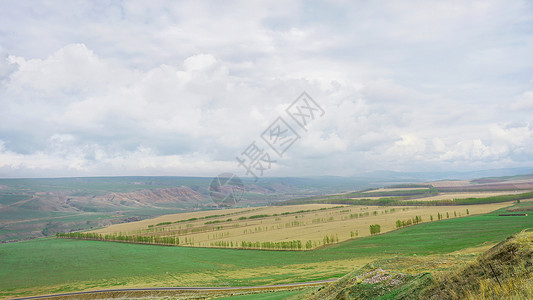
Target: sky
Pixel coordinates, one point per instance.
(189, 88)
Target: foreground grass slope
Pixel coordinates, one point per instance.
(57, 265)
(502, 272)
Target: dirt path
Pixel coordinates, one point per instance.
(120, 293)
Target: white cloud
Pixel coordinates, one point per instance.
(182, 88)
(410, 146)
(469, 150)
(72, 70)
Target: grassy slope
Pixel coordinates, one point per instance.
(54, 262)
(512, 264)
(511, 260)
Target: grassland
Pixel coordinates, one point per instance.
(417, 199)
(501, 272)
(277, 228)
(60, 265)
(267, 296)
(465, 195)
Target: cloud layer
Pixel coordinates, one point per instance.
(89, 88)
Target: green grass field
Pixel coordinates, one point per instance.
(266, 296)
(59, 265)
(406, 200)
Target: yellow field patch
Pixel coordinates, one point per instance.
(316, 226)
(227, 213)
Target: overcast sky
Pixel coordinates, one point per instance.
(97, 88)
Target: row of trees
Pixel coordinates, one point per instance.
(403, 223)
(223, 244)
(330, 239)
(288, 245)
(160, 240)
(375, 213)
(418, 219)
(285, 245)
(441, 216)
(355, 216)
(250, 217)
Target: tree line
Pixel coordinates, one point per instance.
(403, 223)
(157, 240)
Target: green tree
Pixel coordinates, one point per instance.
(375, 229)
(398, 223)
(309, 244)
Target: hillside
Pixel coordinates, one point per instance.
(31, 208)
(502, 272)
(35, 214)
